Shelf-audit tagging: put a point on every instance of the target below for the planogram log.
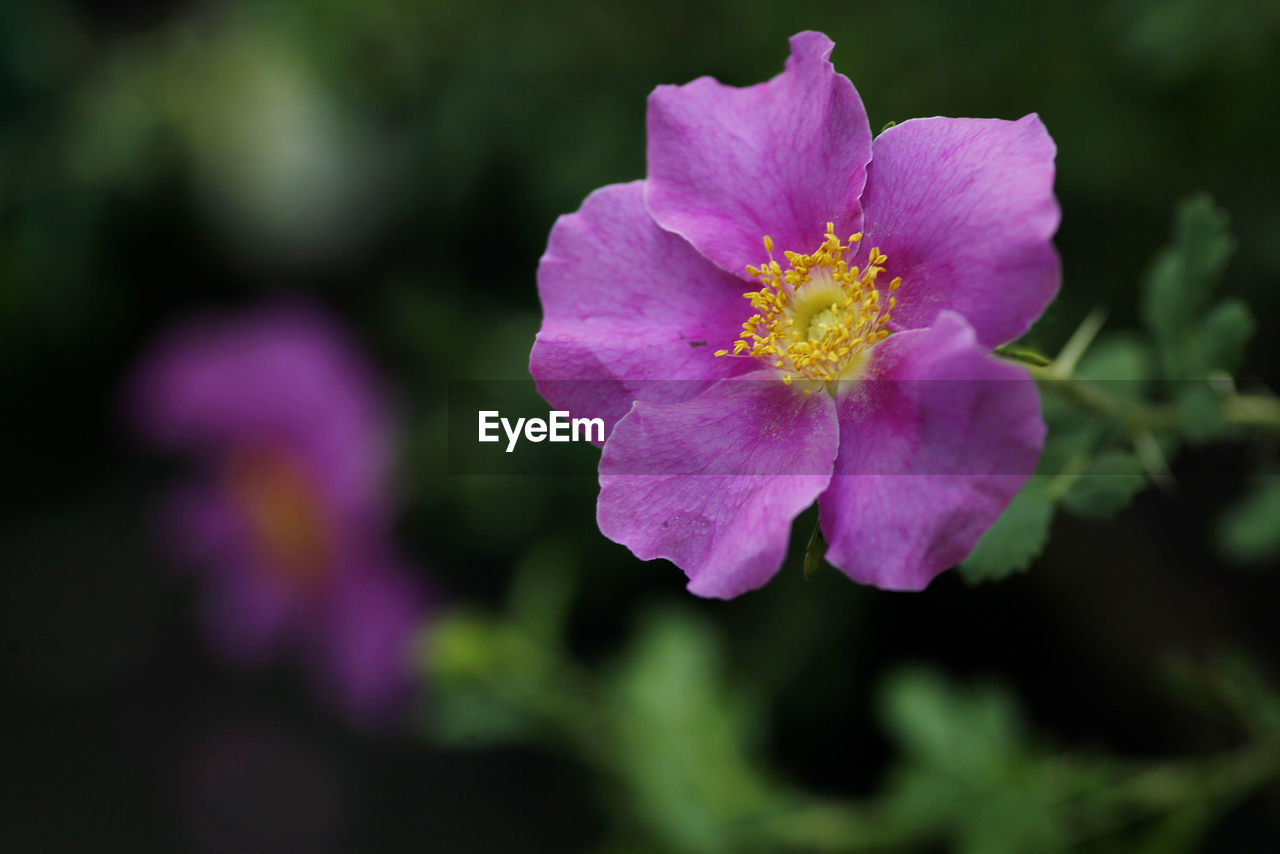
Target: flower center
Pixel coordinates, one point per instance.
(285, 515)
(816, 320)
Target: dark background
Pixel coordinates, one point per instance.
(402, 162)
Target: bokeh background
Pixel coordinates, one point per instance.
(400, 162)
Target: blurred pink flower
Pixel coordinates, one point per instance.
(288, 519)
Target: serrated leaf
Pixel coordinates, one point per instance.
(968, 731)
(1122, 362)
(1224, 334)
(1073, 433)
(1016, 538)
(967, 771)
(1180, 284)
(680, 737)
(1249, 532)
(1106, 487)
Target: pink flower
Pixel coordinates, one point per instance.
(289, 518)
(878, 276)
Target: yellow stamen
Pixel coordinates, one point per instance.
(284, 512)
(816, 319)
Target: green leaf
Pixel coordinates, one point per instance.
(480, 671)
(1122, 362)
(1200, 413)
(470, 716)
(967, 771)
(462, 644)
(1180, 284)
(1106, 487)
(542, 589)
(1016, 538)
(680, 738)
(1249, 532)
(1029, 357)
(814, 551)
(1224, 334)
(968, 732)
(1074, 434)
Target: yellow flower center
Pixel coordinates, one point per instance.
(285, 515)
(816, 320)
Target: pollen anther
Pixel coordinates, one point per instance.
(814, 320)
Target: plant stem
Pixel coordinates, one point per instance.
(1260, 411)
(1253, 410)
(1065, 364)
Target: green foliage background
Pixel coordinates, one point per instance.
(402, 161)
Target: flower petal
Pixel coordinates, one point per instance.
(728, 165)
(362, 637)
(964, 208)
(284, 376)
(713, 484)
(630, 311)
(932, 449)
(247, 612)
